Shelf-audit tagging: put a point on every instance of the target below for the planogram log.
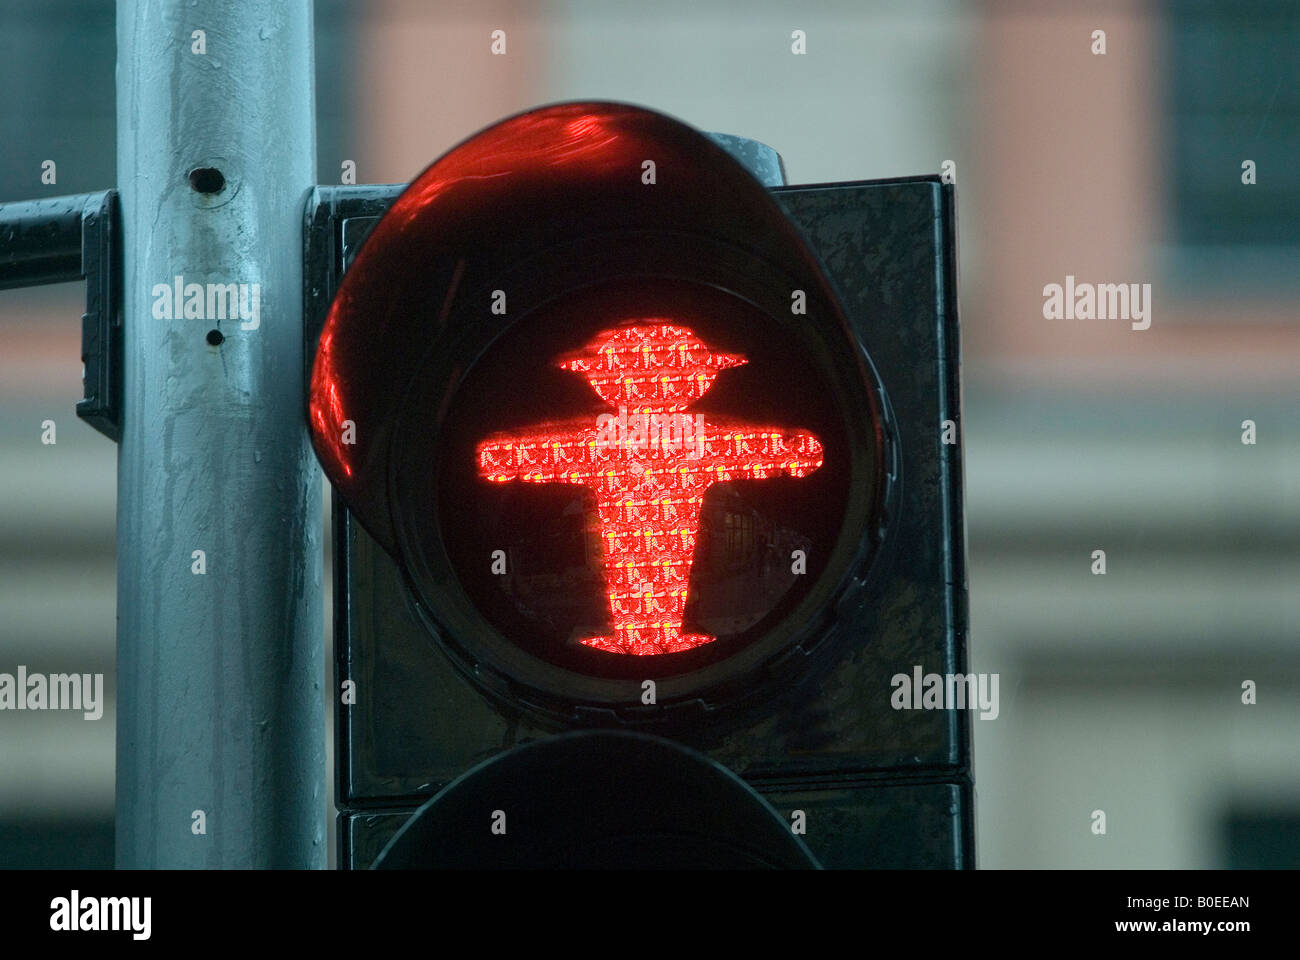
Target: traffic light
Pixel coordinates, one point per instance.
(648, 480)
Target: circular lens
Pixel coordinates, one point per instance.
(641, 479)
(666, 458)
(638, 492)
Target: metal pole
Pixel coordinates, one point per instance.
(220, 719)
(755, 156)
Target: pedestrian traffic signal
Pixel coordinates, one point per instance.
(622, 438)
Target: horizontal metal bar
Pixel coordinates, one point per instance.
(40, 240)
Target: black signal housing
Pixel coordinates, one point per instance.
(796, 700)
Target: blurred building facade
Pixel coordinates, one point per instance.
(1120, 692)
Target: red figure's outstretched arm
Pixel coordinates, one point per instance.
(739, 451)
(549, 453)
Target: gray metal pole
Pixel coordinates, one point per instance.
(755, 156)
(220, 719)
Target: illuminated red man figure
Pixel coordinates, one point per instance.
(649, 469)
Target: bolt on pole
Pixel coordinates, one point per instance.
(220, 717)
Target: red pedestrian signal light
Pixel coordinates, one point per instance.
(649, 478)
(610, 449)
(613, 427)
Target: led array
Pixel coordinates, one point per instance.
(648, 492)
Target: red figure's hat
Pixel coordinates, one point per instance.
(612, 352)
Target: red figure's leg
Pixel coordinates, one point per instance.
(649, 534)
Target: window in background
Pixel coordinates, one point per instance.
(1261, 839)
(1232, 94)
